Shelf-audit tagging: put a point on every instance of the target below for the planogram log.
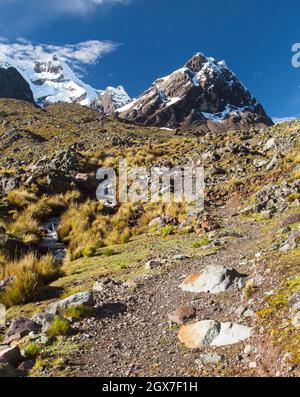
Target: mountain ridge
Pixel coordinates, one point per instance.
(203, 93)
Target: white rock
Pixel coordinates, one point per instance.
(230, 334)
(212, 333)
(199, 334)
(213, 279)
(270, 144)
(253, 365)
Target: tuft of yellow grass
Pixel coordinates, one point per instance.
(20, 198)
(31, 275)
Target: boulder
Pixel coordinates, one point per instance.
(213, 279)
(11, 355)
(19, 328)
(230, 334)
(270, 144)
(44, 320)
(212, 333)
(79, 299)
(296, 320)
(199, 334)
(152, 264)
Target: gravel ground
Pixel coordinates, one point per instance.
(131, 334)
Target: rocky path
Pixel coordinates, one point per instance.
(132, 335)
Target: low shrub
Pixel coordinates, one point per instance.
(77, 312)
(108, 251)
(59, 327)
(32, 351)
(167, 231)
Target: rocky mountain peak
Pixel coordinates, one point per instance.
(203, 94)
(196, 63)
(111, 99)
(52, 66)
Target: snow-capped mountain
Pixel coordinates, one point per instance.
(111, 99)
(203, 94)
(52, 81)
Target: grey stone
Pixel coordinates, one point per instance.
(157, 222)
(19, 328)
(253, 365)
(47, 322)
(231, 333)
(105, 283)
(180, 257)
(240, 311)
(249, 349)
(270, 144)
(210, 358)
(212, 333)
(249, 314)
(79, 299)
(11, 356)
(6, 283)
(213, 279)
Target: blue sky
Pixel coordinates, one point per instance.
(133, 42)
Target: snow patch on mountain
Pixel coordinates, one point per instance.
(109, 100)
(52, 80)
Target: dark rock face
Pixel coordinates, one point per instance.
(204, 94)
(14, 86)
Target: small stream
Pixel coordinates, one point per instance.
(51, 242)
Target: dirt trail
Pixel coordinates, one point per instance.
(141, 342)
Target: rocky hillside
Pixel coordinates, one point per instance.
(146, 289)
(203, 94)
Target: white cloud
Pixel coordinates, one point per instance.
(278, 120)
(68, 6)
(77, 55)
